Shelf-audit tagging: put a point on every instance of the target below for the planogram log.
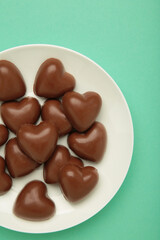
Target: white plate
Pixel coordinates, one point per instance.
(115, 115)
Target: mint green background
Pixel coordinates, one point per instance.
(122, 36)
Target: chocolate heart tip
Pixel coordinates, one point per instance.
(17, 113)
(81, 109)
(11, 82)
(33, 203)
(58, 160)
(51, 80)
(90, 145)
(38, 141)
(4, 133)
(5, 179)
(52, 111)
(18, 164)
(76, 182)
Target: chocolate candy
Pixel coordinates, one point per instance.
(12, 85)
(35, 145)
(33, 202)
(81, 109)
(38, 142)
(18, 163)
(91, 144)
(60, 157)
(77, 182)
(3, 134)
(14, 114)
(52, 111)
(5, 179)
(52, 81)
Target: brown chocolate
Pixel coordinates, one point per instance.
(77, 182)
(12, 85)
(52, 111)
(14, 114)
(5, 179)
(18, 163)
(3, 134)
(90, 145)
(51, 80)
(38, 142)
(33, 202)
(81, 109)
(59, 159)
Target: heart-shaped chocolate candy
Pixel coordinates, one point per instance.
(12, 85)
(18, 163)
(14, 114)
(3, 134)
(52, 111)
(33, 202)
(51, 80)
(91, 144)
(60, 157)
(81, 109)
(77, 182)
(38, 142)
(5, 179)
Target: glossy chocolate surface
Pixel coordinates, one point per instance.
(77, 182)
(5, 179)
(3, 134)
(33, 202)
(52, 111)
(51, 80)
(90, 145)
(38, 142)
(14, 114)
(12, 85)
(81, 109)
(18, 163)
(59, 159)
